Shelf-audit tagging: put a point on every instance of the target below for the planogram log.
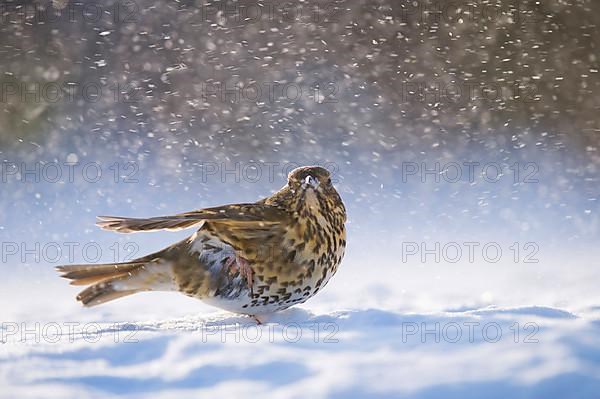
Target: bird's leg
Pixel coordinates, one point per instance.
(237, 263)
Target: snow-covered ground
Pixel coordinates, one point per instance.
(529, 352)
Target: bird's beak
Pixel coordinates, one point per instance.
(311, 181)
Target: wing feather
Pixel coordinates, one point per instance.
(248, 216)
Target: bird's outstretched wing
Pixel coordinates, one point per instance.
(244, 216)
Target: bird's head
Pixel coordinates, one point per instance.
(313, 191)
(314, 178)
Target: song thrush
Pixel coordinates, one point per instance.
(250, 258)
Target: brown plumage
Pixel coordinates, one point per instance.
(247, 258)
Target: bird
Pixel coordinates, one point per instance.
(247, 258)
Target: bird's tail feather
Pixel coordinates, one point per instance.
(115, 280)
(88, 274)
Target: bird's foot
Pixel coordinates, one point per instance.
(236, 263)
